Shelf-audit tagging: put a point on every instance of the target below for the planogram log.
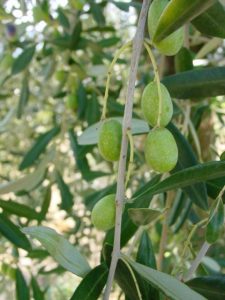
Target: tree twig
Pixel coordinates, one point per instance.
(120, 193)
(197, 261)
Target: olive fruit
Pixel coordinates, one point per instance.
(71, 101)
(171, 44)
(150, 105)
(109, 140)
(103, 213)
(40, 15)
(161, 151)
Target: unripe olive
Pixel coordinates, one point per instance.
(6, 62)
(40, 15)
(103, 213)
(161, 151)
(150, 104)
(109, 140)
(71, 102)
(60, 75)
(171, 44)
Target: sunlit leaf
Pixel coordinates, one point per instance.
(60, 249)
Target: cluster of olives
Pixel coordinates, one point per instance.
(160, 149)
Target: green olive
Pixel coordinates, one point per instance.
(60, 75)
(109, 140)
(71, 102)
(150, 105)
(161, 151)
(103, 213)
(40, 15)
(171, 44)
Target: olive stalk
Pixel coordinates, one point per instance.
(120, 193)
(157, 78)
(109, 74)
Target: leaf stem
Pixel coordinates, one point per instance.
(134, 278)
(120, 193)
(109, 74)
(156, 71)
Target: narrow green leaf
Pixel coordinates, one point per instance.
(212, 287)
(22, 290)
(63, 20)
(60, 249)
(145, 256)
(39, 147)
(215, 186)
(97, 13)
(215, 222)
(79, 153)
(93, 112)
(23, 60)
(66, 195)
(24, 97)
(212, 21)
(76, 35)
(208, 82)
(143, 216)
(183, 60)
(177, 13)
(109, 42)
(90, 135)
(13, 234)
(91, 286)
(176, 207)
(28, 182)
(19, 209)
(46, 202)
(183, 215)
(167, 284)
(38, 294)
(187, 158)
(186, 177)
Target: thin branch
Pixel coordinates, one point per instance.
(197, 261)
(120, 193)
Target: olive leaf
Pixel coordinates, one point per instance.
(60, 249)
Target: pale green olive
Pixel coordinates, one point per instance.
(71, 102)
(109, 140)
(103, 213)
(161, 151)
(150, 105)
